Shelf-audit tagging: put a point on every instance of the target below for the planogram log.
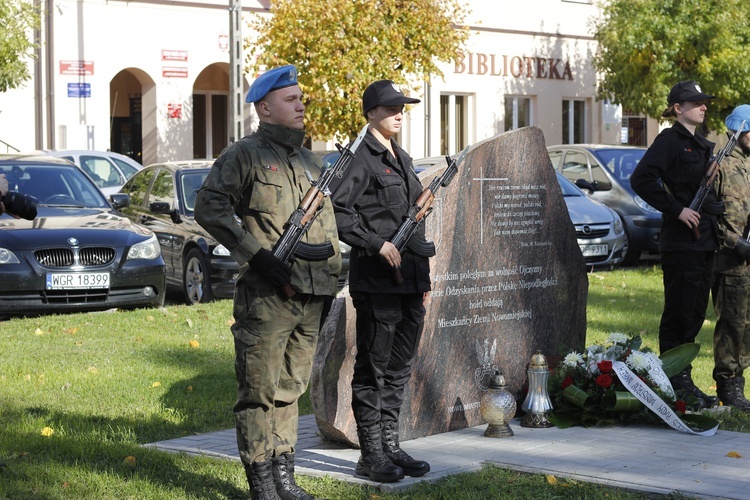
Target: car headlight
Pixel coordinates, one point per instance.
(221, 251)
(8, 257)
(617, 224)
(148, 249)
(645, 206)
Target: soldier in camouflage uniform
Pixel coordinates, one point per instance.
(261, 179)
(731, 287)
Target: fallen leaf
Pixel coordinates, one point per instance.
(156, 384)
(150, 318)
(66, 386)
(194, 344)
(189, 322)
(734, 454)
(47, 431)
(93, 369)
(38, 331)
(551, 480)
(190, 388)
(70, 331)
(130, 460)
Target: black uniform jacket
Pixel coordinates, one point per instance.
(667, 178)
(370, 201)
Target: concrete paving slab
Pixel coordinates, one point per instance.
(642, 458)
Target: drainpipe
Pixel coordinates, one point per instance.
(49, 45)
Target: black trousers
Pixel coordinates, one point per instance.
(389, 328)
(687, 284)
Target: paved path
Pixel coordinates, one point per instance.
(641, 458)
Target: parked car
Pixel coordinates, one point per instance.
(78, 254)
(162, 198)
(108, 169)
(604, 173)
(599, 230)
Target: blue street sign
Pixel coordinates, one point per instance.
(79, 89)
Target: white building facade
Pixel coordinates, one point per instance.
(150, 79)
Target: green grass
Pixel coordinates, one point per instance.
(107, 383)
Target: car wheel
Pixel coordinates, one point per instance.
(196, 282)
(629, 254)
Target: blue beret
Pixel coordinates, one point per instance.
(273, 79)
(740, 113)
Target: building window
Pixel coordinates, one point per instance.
(574, 121)
(517, 112)
(633, 130)
(454, 123)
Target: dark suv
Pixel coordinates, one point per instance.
(604, 171)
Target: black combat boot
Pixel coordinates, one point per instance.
(685, 388)
(732, 393)
(283, 477)
(261, 481)
(413, 468)
(373, 462)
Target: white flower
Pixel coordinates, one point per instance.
(637, 361)
(617, 338)
(572, 360)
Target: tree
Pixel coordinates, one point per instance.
(341, 46)
(17, 22)
(646, 46)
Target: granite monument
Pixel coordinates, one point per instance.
(508, 279)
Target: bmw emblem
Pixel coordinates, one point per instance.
(72, 242)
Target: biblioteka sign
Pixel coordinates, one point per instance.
(477, 63)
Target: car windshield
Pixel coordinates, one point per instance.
(567, 187)
(191, 182)
(53, 185)
(620, 162)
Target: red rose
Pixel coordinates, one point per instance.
(680, 406)
(604, 366)
(568, 381)
(604, 381)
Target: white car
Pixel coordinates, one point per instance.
(109, 170)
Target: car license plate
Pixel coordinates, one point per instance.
(70, 281)
(594, 250)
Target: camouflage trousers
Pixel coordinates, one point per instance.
(731, 298)
(274, 343)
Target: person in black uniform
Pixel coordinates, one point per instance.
(370, 202)
(667, 178)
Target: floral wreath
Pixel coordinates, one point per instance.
(620, 382)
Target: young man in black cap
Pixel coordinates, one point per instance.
(667, 178)
(261, 179)
(370, 202)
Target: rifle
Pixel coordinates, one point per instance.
(710, 175)
(418, 212)
(290, 244)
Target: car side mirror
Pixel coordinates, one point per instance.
(585, 185)
(162, 207)
(120, 200)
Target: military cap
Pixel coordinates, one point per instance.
(384, 93)
(687, 91)
(273, 79)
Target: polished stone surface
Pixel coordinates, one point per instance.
(508, 280)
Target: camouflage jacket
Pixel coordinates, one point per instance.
(733, 186)
(262, 179)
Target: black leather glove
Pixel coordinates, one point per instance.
(271, 268)
(742, 249)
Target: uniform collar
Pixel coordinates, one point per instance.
(698, 137)
(280, 134)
